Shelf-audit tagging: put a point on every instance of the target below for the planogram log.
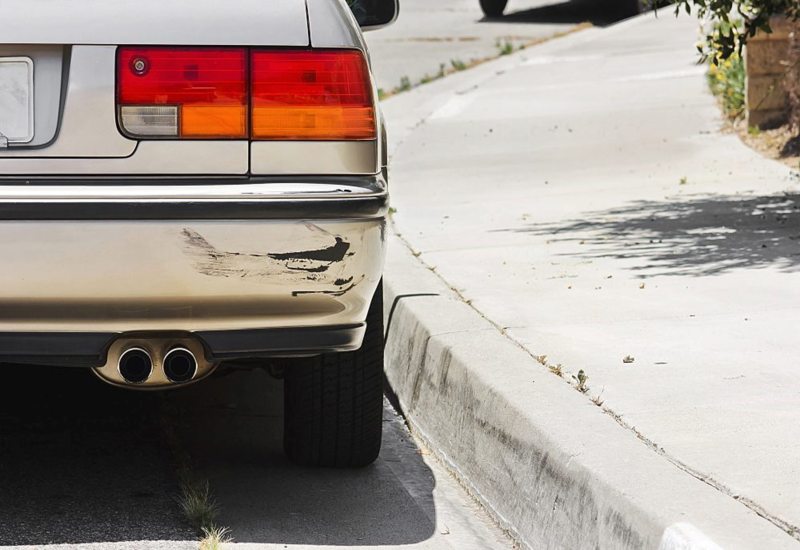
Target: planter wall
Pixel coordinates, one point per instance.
(767, 61)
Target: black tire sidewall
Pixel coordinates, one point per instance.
(493, 8)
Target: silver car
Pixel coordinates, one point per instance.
(193, 183)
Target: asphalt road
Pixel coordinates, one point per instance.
(233, 432)
(86, 465)
(430, 33)
(83, 463)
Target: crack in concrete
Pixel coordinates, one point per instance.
(790, 529)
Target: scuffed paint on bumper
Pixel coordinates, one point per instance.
(272, 264)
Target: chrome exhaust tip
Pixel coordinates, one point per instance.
(135, 366)
(180, 365)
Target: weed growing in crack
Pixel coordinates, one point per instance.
(458, 65)
(504, 47)
(195, 499)
(558, 370)
(405, 85)
(580, 381)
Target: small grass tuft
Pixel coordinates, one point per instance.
(558, 370)
(458, 65)
(215, 537)
(198, 505)
(195, 499)
(504, 47)
(405, 85)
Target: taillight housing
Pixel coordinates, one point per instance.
(311, 95)
(240, 93)
(183, 92)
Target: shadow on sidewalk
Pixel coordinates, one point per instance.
(694, 236)
(599, 13)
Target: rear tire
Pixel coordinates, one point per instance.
(333, 404)
(493, 8)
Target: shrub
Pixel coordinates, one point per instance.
(734, 22)
(727, 81)
(726, 38)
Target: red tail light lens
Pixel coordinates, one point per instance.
(311, 95)
(183, 92)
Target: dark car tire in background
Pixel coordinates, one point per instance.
(493, 8)
(333, 403)
(632, 7)
(635, 7)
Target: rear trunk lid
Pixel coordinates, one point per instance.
(155, 22)
(58, 112)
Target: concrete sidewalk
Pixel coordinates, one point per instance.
(580, 197)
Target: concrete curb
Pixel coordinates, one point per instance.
(553, 468)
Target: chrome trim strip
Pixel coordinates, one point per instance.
(175, 199)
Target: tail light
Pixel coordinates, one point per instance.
(311, 95)
(213, 93)
(183, 92)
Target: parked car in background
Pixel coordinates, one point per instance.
(174, 200)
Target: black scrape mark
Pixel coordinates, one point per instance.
(342, 282)
(331, 254)
(340, 292)
(197, 240)
(219, 263)
(211, 261)
(320, 269)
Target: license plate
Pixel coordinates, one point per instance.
(16, 99)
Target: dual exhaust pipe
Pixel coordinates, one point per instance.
(135, 365)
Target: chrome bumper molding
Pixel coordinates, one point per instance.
(254, 198)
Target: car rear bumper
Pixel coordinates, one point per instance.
(249, 267)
